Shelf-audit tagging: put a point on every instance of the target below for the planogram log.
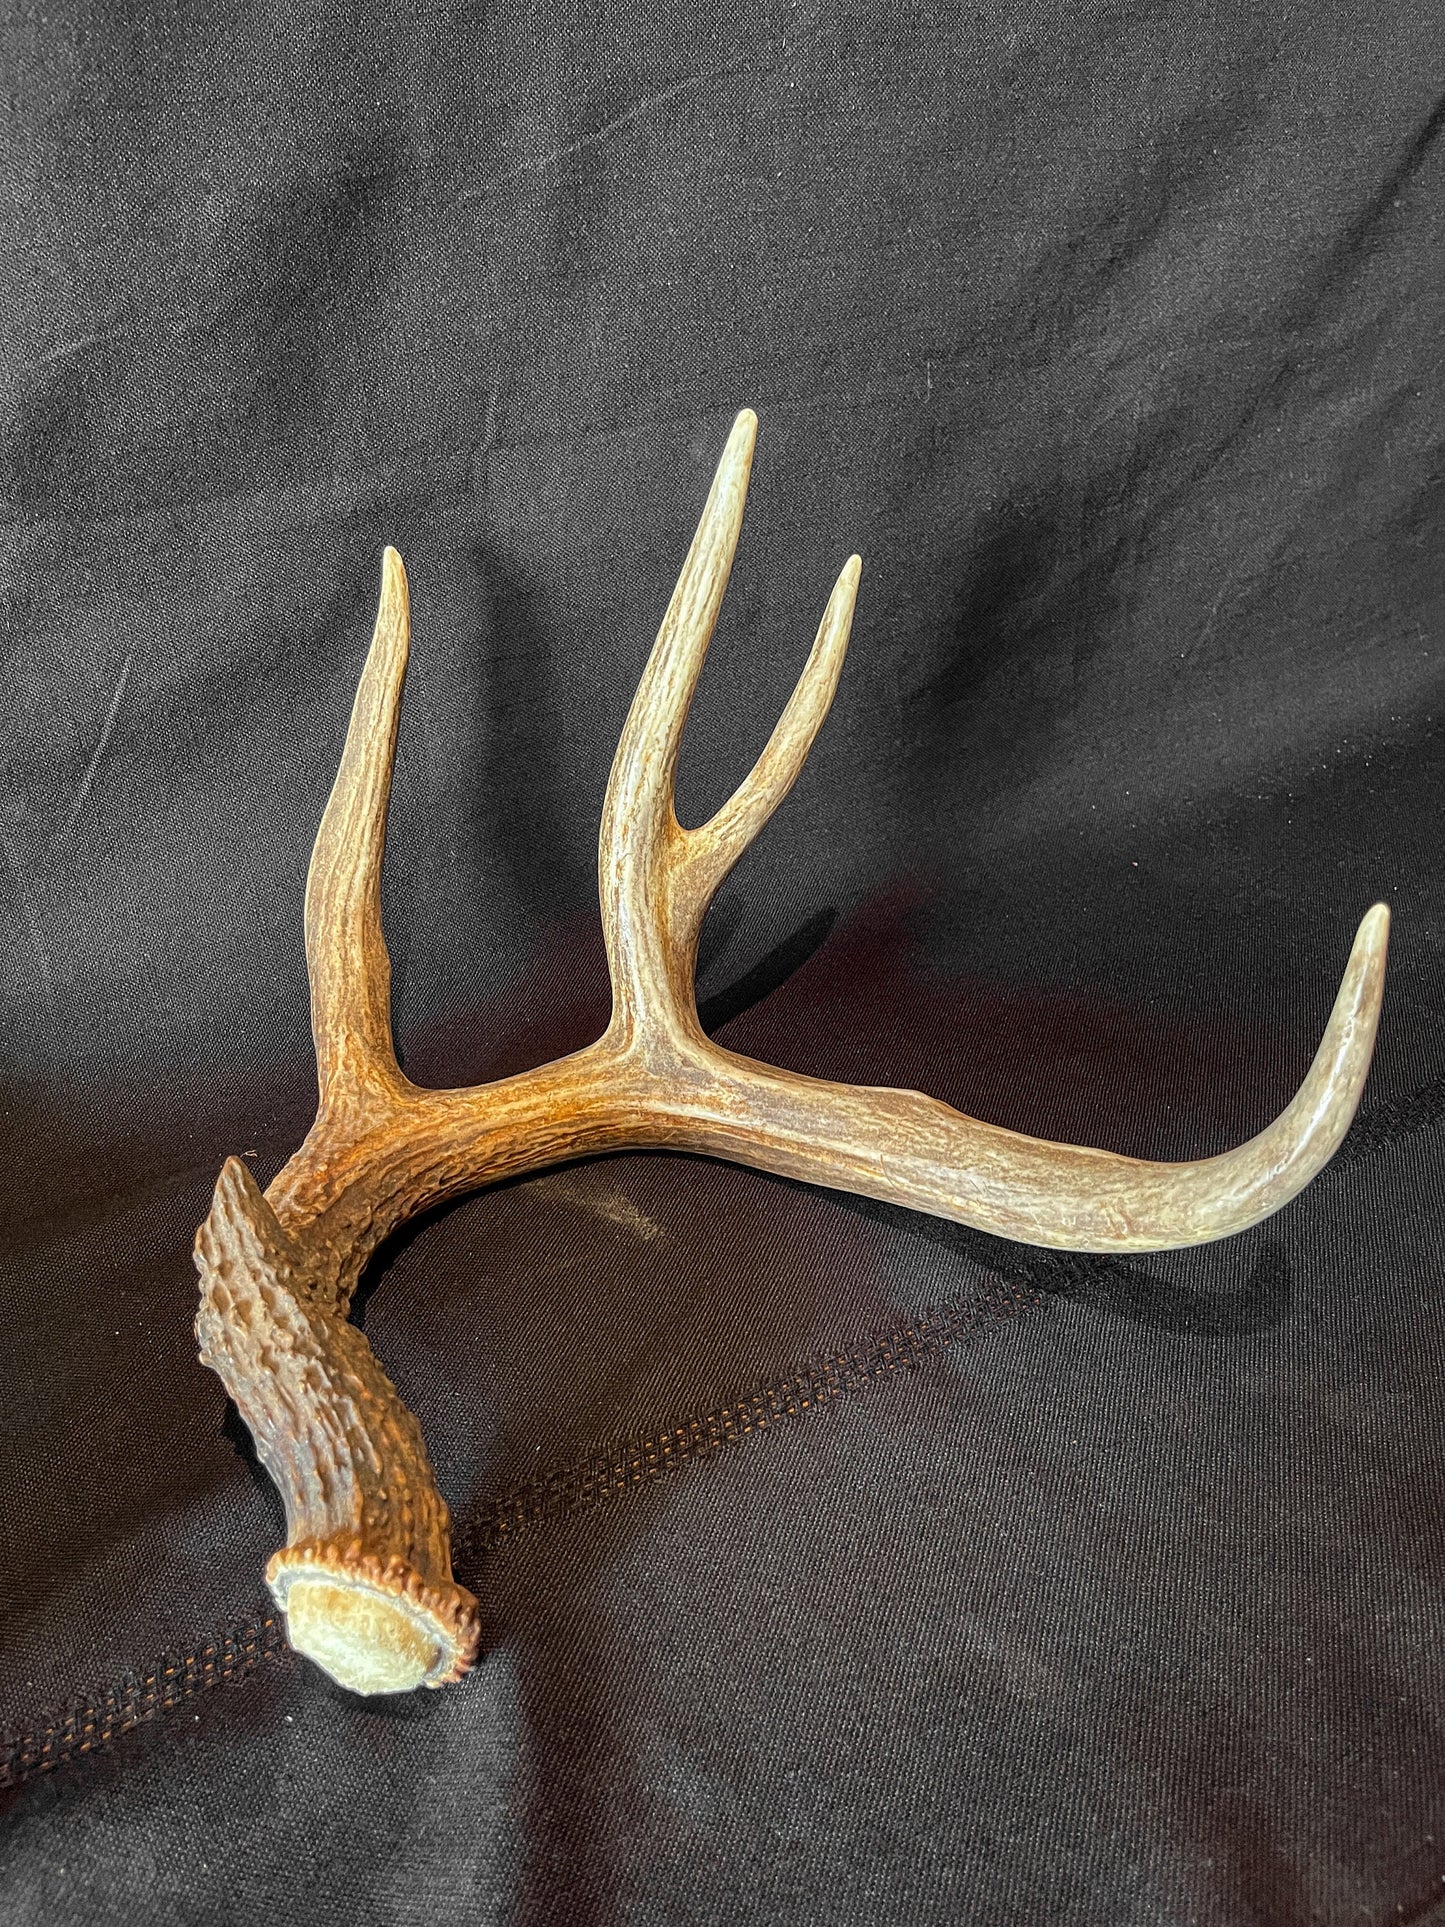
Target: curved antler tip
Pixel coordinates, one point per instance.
(745, 423)
(852, 569)
(392, 568)
(1367, 953)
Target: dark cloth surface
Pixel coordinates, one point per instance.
(836, 1563)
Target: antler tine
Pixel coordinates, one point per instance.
(640, 843)
(656, 878)
(345, 946)
(715, 847)
(909, 1149)
(646, 759)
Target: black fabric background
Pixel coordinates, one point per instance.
(837, 1564)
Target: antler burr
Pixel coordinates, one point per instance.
(365, 1577)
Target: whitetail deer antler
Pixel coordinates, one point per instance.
(365, 1579)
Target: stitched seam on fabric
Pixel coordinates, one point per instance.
(594, 1481)
(88, 1723)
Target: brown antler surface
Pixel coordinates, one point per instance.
(365, 1578)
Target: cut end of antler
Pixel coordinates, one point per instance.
(375, 1626)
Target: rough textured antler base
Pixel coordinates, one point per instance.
(365, 1578)
(365, 1582)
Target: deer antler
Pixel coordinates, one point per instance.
(365, 1578)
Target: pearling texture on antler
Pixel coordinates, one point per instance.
(365, 1577)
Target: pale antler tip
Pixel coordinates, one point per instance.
(1366, 966)
(1372, 943)
(1375, 925)
(737, 458)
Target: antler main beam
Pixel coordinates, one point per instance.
(365, 1577)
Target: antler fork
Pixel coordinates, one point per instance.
(365, 1578)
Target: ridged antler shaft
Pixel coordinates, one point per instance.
(365, 1578)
